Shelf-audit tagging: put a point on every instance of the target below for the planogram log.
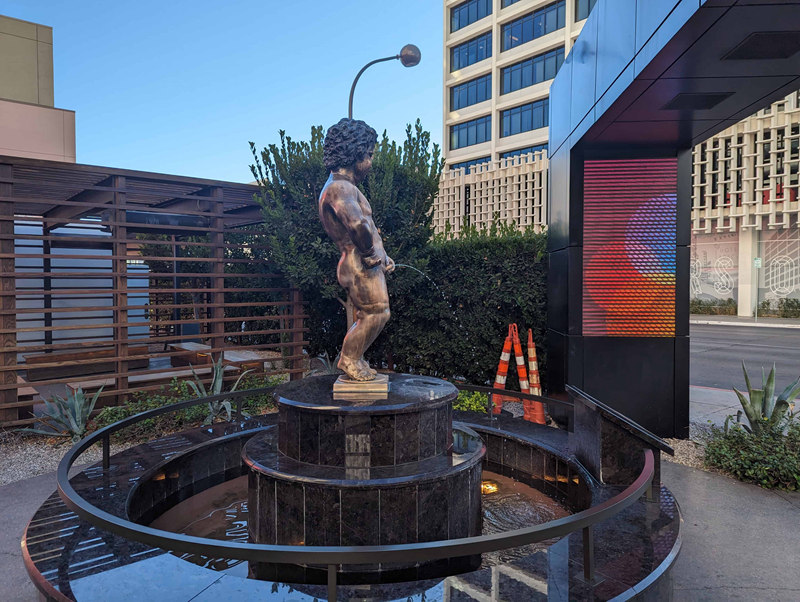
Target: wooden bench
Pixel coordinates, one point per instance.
(134, 380)
(253, 359)
(40, 365)
(198, 354)
(26, 393)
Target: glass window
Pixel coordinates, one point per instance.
(508, 3)
(467, 164)
(534, 25)
(583, 8)
(524, 118)
(471, 92)
(471, 132)
(470, 52)
(468, 12)
(523, 151)
(531, 71)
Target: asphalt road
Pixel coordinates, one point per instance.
(717, 353)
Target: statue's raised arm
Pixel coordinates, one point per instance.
(346, 216)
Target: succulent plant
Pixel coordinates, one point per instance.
(215, 388)
(326, 365)
(763, 410)
(67, 416)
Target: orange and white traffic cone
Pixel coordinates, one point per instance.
(522, 374)
(534, 410)
(502, 373)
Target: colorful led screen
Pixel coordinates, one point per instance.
(629, 247)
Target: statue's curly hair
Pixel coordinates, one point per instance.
(347, 142)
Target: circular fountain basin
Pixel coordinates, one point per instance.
(634, 550)
(223, 512)
(345, 470)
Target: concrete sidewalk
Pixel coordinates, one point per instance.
(740, 542)
(19, 501)
(745, 321)
(712, 405)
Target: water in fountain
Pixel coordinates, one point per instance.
(507, 505)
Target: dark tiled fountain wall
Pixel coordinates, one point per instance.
(539, 467)
(421, 510)
(186, 474)
(392, 438)
(217, 461)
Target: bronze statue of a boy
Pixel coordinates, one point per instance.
(346, 216)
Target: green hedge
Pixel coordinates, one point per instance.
(769, 459)
(780, 308)
(713, 307)
(485, 281)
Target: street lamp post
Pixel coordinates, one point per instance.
(409, 56)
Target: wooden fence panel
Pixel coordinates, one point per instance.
(124, 279)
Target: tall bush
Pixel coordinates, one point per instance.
(487, 280)
(401, 188)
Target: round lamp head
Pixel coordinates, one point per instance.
(410, 55)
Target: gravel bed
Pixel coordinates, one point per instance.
(691, 451)
(26, 456)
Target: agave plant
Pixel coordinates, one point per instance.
(67, 416)
(763, 410)
(215, 388)
(326, 365)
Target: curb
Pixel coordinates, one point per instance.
(750, 324)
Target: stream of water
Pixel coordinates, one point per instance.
(441, 293)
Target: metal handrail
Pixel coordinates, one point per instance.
(335, 555)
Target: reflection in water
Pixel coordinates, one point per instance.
(221, 513)
(217, 513)
(513, 506)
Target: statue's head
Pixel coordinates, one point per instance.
(348, 143)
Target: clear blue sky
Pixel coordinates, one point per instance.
(181, 87)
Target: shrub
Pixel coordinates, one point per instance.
(401, 188)
(259, 404)
(471, 401)
(768, 459)
(150, 400)
(713, 307)
(175, 421)
(789, 308)
(454, 324)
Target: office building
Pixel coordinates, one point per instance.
(500, 57)
(30, 125)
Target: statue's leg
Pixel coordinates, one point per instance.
(377, 320)
(353, 349)
(367, 291)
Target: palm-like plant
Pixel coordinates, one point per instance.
(215, 388)
(763, 410)
(67, 416)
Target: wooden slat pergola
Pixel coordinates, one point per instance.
(124, 275)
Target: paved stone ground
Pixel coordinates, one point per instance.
(712, 405)
(19, 501)
(740, 542)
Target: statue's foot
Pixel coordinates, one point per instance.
(365, 364)
(355, 370)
